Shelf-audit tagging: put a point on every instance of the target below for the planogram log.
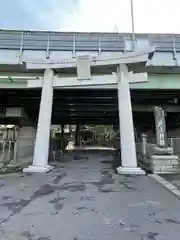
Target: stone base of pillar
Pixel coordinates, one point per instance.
(38, 169)
(130, 171)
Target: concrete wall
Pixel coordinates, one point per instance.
(25, 144)
(27, 132)
(174, 133)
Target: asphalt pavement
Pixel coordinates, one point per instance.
(84, 199)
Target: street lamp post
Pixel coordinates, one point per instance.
(133, 31)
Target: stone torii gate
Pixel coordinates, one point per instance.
(122, 67)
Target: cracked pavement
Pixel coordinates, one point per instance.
(84, 199)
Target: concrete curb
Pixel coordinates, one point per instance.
(169, 186)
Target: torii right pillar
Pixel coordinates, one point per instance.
(128, 148)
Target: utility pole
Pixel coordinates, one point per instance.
(133, 30)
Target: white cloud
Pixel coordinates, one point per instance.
(150, 16)
(37, 14)
(91, 15)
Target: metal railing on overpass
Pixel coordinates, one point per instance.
(99, 42)
(61, 41)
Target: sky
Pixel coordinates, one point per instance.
(153, 16)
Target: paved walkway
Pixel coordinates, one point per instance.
(84, 200)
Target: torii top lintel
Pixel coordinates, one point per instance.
(135, 61)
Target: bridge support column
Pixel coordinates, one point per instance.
(128, 148)
(41, 151)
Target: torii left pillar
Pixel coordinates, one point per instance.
(41, 151)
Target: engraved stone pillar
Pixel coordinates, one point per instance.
(160, 124)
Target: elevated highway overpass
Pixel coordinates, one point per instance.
(93, 102)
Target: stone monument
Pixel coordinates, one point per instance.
(158, 158)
